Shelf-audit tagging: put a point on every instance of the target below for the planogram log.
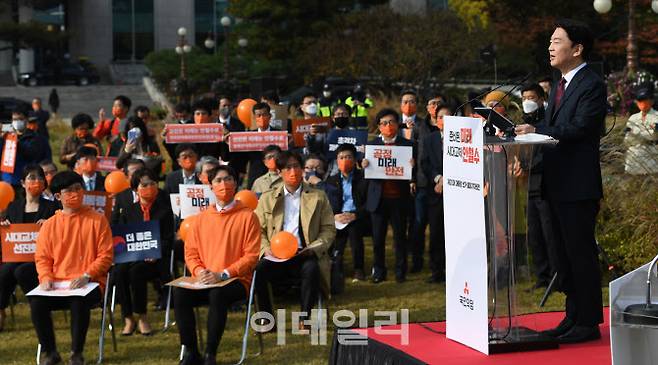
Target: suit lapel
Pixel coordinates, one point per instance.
(573, 85)
(278, 211)
(308, 203)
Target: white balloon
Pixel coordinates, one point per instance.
(602, 6)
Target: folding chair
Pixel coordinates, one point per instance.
(245, 336)
(101, 337)
(169, 292)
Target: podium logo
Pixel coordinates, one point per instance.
(464, 300)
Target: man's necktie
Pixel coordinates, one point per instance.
(559, 92)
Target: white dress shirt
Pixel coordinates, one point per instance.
(570, 75)
(292, 204)
(225, 208)
(188, 180)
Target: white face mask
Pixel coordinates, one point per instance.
(326, 94)
(530, 106)
(18, 125)
(312, 109)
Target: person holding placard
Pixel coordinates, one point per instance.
(304, 211)
(221, 244)
(73, 245)
(34, 208)
(271, 179)
(388, 201)
(131, 278)
(85, 163)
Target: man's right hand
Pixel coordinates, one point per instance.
(364, 163)
(101, 114)
(438, 187)
(46, 285)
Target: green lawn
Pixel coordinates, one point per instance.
(426, 302)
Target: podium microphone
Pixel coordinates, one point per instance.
(516, 84)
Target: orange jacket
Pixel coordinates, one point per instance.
(71, 244)
(107, 127)
(224, 241)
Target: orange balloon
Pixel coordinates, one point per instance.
(116, 182)
(284, 245)
(245, 111)
(185, 226)
(6, 195)
(248, 198)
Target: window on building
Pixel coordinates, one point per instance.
(132, 29)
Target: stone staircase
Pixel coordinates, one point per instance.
(127, 73)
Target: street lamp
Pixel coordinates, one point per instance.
(209, 42)
(182, 47)
(226, 23)
(243, 42)
(604, 6)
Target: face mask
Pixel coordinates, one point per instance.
(147, 194)
(388, 131)
(72, 200)
(271, 164)
(188, 163)
(312, 109)
(530, 106)
(89, 167)
(643, 105)
(34, 188)
(18, 125)
(345, 166)
(224, 192)
(49, 178)
(326, 94)
(308, 174)
(117, 112)
(408, 109)
(341, 122)
(292, 177)
(224, 112)
(81, 134)
(263, 121)
(201, 118)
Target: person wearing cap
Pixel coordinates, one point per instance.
(327, 101)
(360, 103)
(497, 101)
(74, 246)
(642, 136)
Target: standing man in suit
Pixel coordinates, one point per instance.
(86, 165)
(389, 201)
(571, 179)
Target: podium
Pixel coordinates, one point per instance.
(486, 237)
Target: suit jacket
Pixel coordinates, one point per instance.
(333, 187)
(317, 220)
(174, 179)
(432, 163)
(16, 210)
(572, 170)
(100, 182)
(121, 203)
(374, 197)
(256, 166)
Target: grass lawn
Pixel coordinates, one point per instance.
(426, 302)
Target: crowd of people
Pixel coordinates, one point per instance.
(301, 191)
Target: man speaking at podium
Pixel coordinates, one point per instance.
(572, 177)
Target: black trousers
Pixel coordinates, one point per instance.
(354, 234)
(80, 307)
(420, 221)
(131, 279)
(394, 211)
(21, 273)
(578, 261)
(541, 239)
(437, 239)
(304, 268)
(218, 301)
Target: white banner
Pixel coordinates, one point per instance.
(388, 162)
(466, 248)
(175, 204)
(194, 199)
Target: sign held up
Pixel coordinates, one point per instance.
(194, 133)
(388, 162)
(256, 141)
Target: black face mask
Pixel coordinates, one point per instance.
(341, 122)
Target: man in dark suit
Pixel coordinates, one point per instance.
(389, 201)
(86, 164)
(186, 156)
(571, 179)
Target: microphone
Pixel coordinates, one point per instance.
(515, 86)
(524, 79)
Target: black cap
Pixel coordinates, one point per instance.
(326, 87)
(644, 93)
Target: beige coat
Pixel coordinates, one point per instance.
(317, 220)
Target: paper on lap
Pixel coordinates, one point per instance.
(61, 289)
(187, 282)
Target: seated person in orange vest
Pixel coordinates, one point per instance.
(73, 245)
(221, 244)
(304, 211)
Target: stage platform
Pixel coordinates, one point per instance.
(429, 345)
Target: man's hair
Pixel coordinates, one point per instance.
(139, 174)
(284, 156)
(132, 161)
(80, 119)
(185, 147)
(259, 106)
(223, 96)
(182, 108)
(142, 109)
(341, 106)
(65, 179)
(386, 112)
(315, 156)
(308, 95)
(125, 101)
(534, 87)
(34, 168)
(37, 99)
(205, 160)
(215, 170)
(346, 147)
(202, 105)
(85, 151)
(578, 33)
(409, 92)
(46, 163)
(546, 79)
(271, 148)
(271, 95)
